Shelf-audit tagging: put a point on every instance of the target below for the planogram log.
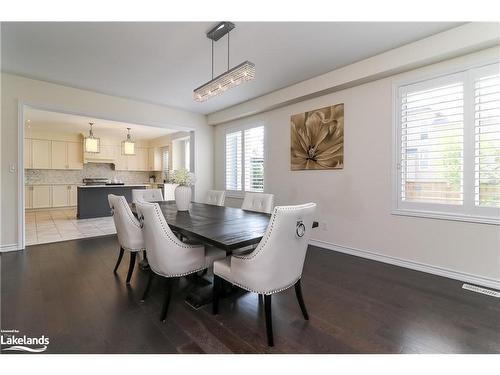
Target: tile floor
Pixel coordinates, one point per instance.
(61, 225)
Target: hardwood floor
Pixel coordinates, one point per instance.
(68, 292)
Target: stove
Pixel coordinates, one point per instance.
(95, 181)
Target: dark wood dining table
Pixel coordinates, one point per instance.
(226, 228)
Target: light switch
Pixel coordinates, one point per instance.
(12, 168)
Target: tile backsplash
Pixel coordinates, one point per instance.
(55, 176)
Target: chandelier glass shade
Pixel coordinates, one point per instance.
(233, 77)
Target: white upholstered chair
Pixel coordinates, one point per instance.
(128, 230)
(169, 191)
(276, 264)
(167, 255)
(146, 195)
(258, 202)
(216, 197)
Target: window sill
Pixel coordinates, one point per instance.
(446, 216)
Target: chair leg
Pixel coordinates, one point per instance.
(168, 294)
(133, 255)
(148, 285)
(269, 319)
(298, 292)
(120, 256)
(216, 294)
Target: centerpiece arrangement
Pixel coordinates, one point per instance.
(185, 180)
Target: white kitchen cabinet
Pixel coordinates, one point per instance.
(142, 158)
(132, 162)
(41, 154)
(28, 197)
(59, 155)
(72, 195)
(154, 159)
(41, 196)
(28, 161)
(74, 155)
(60, 195)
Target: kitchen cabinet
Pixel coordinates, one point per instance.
(59, 155)
(142, 158)
(51, 154)
(74, 154)
(72, 195)
(41, 154)
(154, 159)
(28, 161)
(28, 197)
(47, 196)
(41, 196)
(60, 195)
(66, 155)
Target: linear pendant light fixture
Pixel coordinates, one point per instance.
(229, 79)
(92, 144)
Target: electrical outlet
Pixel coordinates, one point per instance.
(12, 167)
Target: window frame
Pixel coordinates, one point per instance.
(235, 129)
(468, 211)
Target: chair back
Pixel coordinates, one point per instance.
(278, 260)
(258, 202)
(169, 191)
(146, 195)
(216, 197)
(127, 226)
(167, 255)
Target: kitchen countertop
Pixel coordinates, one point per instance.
(111, 186)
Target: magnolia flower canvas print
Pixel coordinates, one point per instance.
(318, 139)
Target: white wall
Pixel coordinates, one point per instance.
(65, 99)
(356, 202)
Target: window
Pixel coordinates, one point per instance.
(164, 157)
(245, 160)
(448, 146)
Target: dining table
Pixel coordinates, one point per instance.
(227, 228)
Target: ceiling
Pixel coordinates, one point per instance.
(163, 62)
(66, 123)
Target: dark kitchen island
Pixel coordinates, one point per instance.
(92, 200)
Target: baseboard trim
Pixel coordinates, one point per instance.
(440, 271)
(9, 247)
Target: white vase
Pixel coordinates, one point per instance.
(182, 197)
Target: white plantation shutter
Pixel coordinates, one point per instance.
(487, 139)
(432, 141)
(245, 160)
(233, 161)
(254, 159)
(448, 146)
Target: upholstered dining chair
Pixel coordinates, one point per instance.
(169, 257)
(147, 195)
(128, 230)
(169, 191)
(275, 265)
(216, 197)
(258, 202)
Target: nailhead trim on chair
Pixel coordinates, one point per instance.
(259, 292)
(130, 215)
